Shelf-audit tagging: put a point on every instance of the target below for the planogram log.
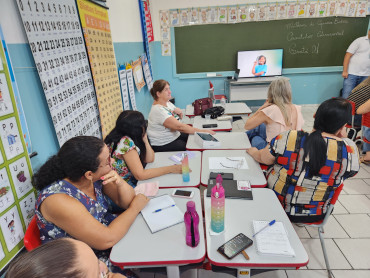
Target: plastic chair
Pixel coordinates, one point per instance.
(365, 123)
(32, 237)
(352, 125)
(320, 226)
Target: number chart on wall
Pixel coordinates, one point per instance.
(56, 41)
(95, 24)
(17, 197)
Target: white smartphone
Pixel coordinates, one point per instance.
(183, 193)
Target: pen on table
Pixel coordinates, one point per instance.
(268, 225)
(158, 210)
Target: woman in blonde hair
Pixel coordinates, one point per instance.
(275, 116)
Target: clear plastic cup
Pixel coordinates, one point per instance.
(207, 117)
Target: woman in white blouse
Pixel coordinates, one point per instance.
(165, 130)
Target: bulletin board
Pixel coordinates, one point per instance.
(58, 48)
(95, 24)
(17, 197)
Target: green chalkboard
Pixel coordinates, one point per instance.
(317, 42)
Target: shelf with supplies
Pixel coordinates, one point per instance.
(248, 88)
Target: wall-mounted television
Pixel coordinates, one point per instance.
(260, 63)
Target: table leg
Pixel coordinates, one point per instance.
(243, 273)
(173, 271)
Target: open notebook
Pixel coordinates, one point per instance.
(273, 240)
(161, 212)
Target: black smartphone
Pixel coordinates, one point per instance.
(207, 137)
(209, 125)
(225, 176)
(235, 245)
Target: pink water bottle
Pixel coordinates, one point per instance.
(191, 219)
(218, 206)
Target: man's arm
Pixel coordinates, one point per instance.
(347, 57)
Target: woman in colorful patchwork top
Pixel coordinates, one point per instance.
(129, 147)
(308, 167)
(74, 186)
(165, 131)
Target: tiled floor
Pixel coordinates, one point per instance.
(347, 232)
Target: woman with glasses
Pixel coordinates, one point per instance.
(308, 167)
(74, 188)
(60, 258)
(130, 149)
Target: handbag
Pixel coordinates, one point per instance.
(201, 105)
(215, 112)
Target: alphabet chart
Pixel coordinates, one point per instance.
(57, 44)
(16, 192)
(20, 176)
(11, 227)
(95, 24)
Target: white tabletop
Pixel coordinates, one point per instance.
(221, 125)
(139, 247)
(239, 215)
(232, 109)
(175, 180)
(229, 141)
(254, 172)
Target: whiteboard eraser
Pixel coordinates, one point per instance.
(211, 74)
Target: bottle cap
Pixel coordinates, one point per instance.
(190, 205)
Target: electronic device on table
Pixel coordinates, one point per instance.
(235, 246)
(270, 60)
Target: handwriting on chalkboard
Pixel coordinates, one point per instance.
(299, 32)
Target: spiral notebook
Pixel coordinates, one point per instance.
(273, 240)
(161, 212)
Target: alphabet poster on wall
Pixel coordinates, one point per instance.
(28, 208)
(10, 138)
(123, 78)
(57, 45)
(16, 191)
(6, 194)
(95, 24)
(6, 106)
(11, 227)
(20, 176)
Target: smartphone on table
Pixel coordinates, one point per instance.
(209, 125)
(235, 246)
(183, 193)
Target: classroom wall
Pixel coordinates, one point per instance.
(308, 88)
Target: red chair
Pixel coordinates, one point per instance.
(32, 237)
(365, 122)
(320, 226)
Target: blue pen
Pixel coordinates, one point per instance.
(158, 210)
(268, 225)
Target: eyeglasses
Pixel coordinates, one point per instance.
(234, 163)
(107, 163)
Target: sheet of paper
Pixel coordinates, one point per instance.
(272, 240)
(216, 163)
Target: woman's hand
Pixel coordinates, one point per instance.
(208, 131)
(178, 111)
(139, 202)
(145, 138)
(176, 169)
(112, 176)
(266, 104)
